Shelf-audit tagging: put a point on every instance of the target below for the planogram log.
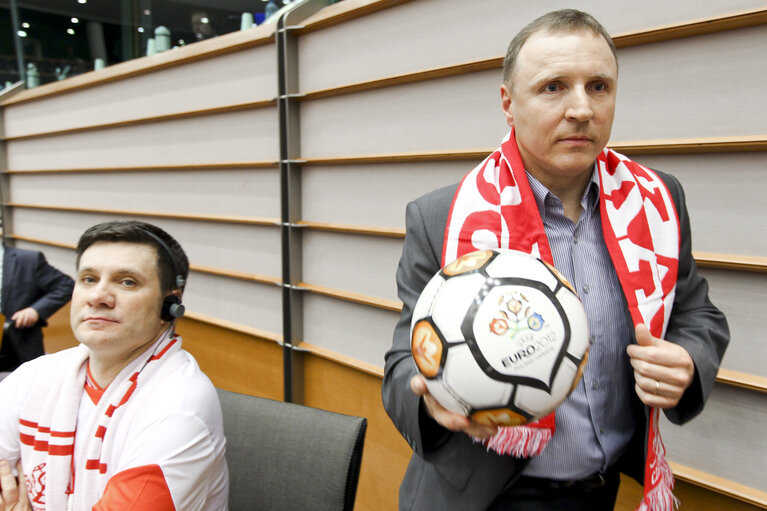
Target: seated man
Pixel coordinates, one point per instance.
(126, 420)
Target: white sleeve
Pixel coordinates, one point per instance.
(12, 391)
(185, 450)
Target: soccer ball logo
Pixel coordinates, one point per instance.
(500, 336)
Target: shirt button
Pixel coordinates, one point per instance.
(586, 288)
(575, 240)
(595, 385)
(591, 339)
(601, 431)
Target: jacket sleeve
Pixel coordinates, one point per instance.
(55, 288)
(419, 262)
(695, 323)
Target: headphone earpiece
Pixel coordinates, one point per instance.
(172, 308)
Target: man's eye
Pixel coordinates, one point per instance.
(599, 87)
(128, 282)
(552, 87)
(87, 279)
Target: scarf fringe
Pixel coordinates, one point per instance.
(658, 494)
(661, 498)
(519, 441)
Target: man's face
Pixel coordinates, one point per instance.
(117, 299)
(561, 103)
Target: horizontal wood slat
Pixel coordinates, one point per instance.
(743, 380)
(731, 262)
(693, 145)
(345, 11)
(234, 274)
(720, 485)
(229, 219)
(347, 361)
(154, 168)
(381, 303)
(418, 76)
(353, 229)
(221, 45)
(252, 105)
(38, 241)
(255, 332)
(663, 146)
(702, 26)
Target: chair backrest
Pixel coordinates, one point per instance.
(288, 457)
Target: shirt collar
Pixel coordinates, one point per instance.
(544, 198)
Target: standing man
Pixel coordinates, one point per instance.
(32, 291)
(620, 234)
(125, 420)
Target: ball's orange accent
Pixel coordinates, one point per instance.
(581, 367)
(498, 417)
(427, 349)
(468, 262)
(561, 277)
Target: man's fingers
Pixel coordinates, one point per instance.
(418, 385)
(10, 490)
(444, 417)
(644, 337)
(24, 504)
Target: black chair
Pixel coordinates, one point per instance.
(288, 457)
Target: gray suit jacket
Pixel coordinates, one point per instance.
(448, 471)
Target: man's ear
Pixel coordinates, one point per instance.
(506, 105)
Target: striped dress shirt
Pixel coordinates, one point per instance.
(594, 424)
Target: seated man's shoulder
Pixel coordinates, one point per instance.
(187, 390)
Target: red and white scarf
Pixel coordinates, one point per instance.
(494, 207)
(48, 422)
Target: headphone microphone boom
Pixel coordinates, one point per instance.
(172, 308)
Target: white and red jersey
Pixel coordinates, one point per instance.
(166, 444)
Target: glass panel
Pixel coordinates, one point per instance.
(63, 38)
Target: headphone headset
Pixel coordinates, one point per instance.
(172, 308)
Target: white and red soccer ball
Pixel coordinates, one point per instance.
(500, 336)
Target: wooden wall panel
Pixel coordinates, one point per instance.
(58, 335)
(239, 77)
(665, 92)
(247, 192)
(461, 112)
(354, 330)
(245, 303)
(725, 198)
(726, 440)
(741, 297)
(222, 138)
(238, 247)
(427, 34)
(234, 361)
(357, 263)
(342, 193)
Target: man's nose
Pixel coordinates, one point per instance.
(579, 107)
(101, 295)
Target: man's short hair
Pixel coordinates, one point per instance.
(134, 231)
(564, 20)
